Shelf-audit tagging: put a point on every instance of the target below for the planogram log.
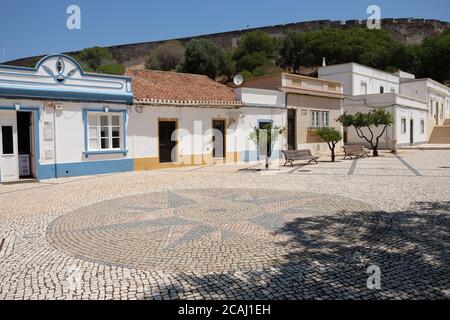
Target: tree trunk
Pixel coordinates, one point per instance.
(333, 155)
(268, 155)
(375, 152)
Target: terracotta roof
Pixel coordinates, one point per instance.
(163, 87)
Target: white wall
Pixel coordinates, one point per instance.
(252, 116)
(393, 132)
(408, 114)
(416, 89)
(63, 141)
(399, 107)
(143, 128)
(351, 75)
(260, 97)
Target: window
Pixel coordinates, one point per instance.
(381, 89)
(7, 140)
(422, 126)
(325, 119)
(320, 119)
(104, 131)
(315, 119)
(403, 125)
(431, 107)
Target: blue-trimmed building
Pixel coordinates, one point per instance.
(52, 115)
(58, 121)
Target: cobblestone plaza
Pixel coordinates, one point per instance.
(230, 231)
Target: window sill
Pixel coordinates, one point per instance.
(86, 154)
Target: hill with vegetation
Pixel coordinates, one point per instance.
(259, 52)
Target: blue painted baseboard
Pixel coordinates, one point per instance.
(84, 168)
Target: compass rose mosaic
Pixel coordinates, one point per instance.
(207, 230)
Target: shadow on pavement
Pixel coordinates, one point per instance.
(331, 256)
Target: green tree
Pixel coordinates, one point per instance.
(256, 41)
(227, 66)
(113, 68)
(373, 119)
(406, 57)
(205, 57)
(93, 58)
(435, 57)
(292, 51)
(332, 137)
(256, 51)
(374, 48)
(265, 137)
(252, 61)
(99, 59)
(166, 56)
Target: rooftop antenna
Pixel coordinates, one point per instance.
(324, 62)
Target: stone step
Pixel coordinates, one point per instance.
(440, 135)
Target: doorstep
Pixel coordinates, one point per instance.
(425, 147)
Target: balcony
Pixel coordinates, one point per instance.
(301, 84)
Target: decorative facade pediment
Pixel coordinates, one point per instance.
(62, 77)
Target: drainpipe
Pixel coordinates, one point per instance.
(54, 142)
(287, 123)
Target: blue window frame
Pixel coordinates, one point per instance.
(104, 131)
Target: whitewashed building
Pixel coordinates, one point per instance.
(260, 107)
(183, 119)
(438, 97)
(311, 103)
(367, 88)
(58, 121)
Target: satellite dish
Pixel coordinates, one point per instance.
(238, 80)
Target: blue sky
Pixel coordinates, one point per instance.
(35, 27)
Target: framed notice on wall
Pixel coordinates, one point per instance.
(48, 131)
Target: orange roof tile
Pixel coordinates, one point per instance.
(151, 85)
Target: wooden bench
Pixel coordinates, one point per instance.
(355, 150)
(292, 155)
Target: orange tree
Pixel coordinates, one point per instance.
(332, 137)
(374, 119)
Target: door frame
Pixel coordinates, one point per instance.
(9, 160)
(224, 138)
(177, 140)
(257, 147)
(437, 113)
(295, 127)
(32, 151)
(36, 113)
